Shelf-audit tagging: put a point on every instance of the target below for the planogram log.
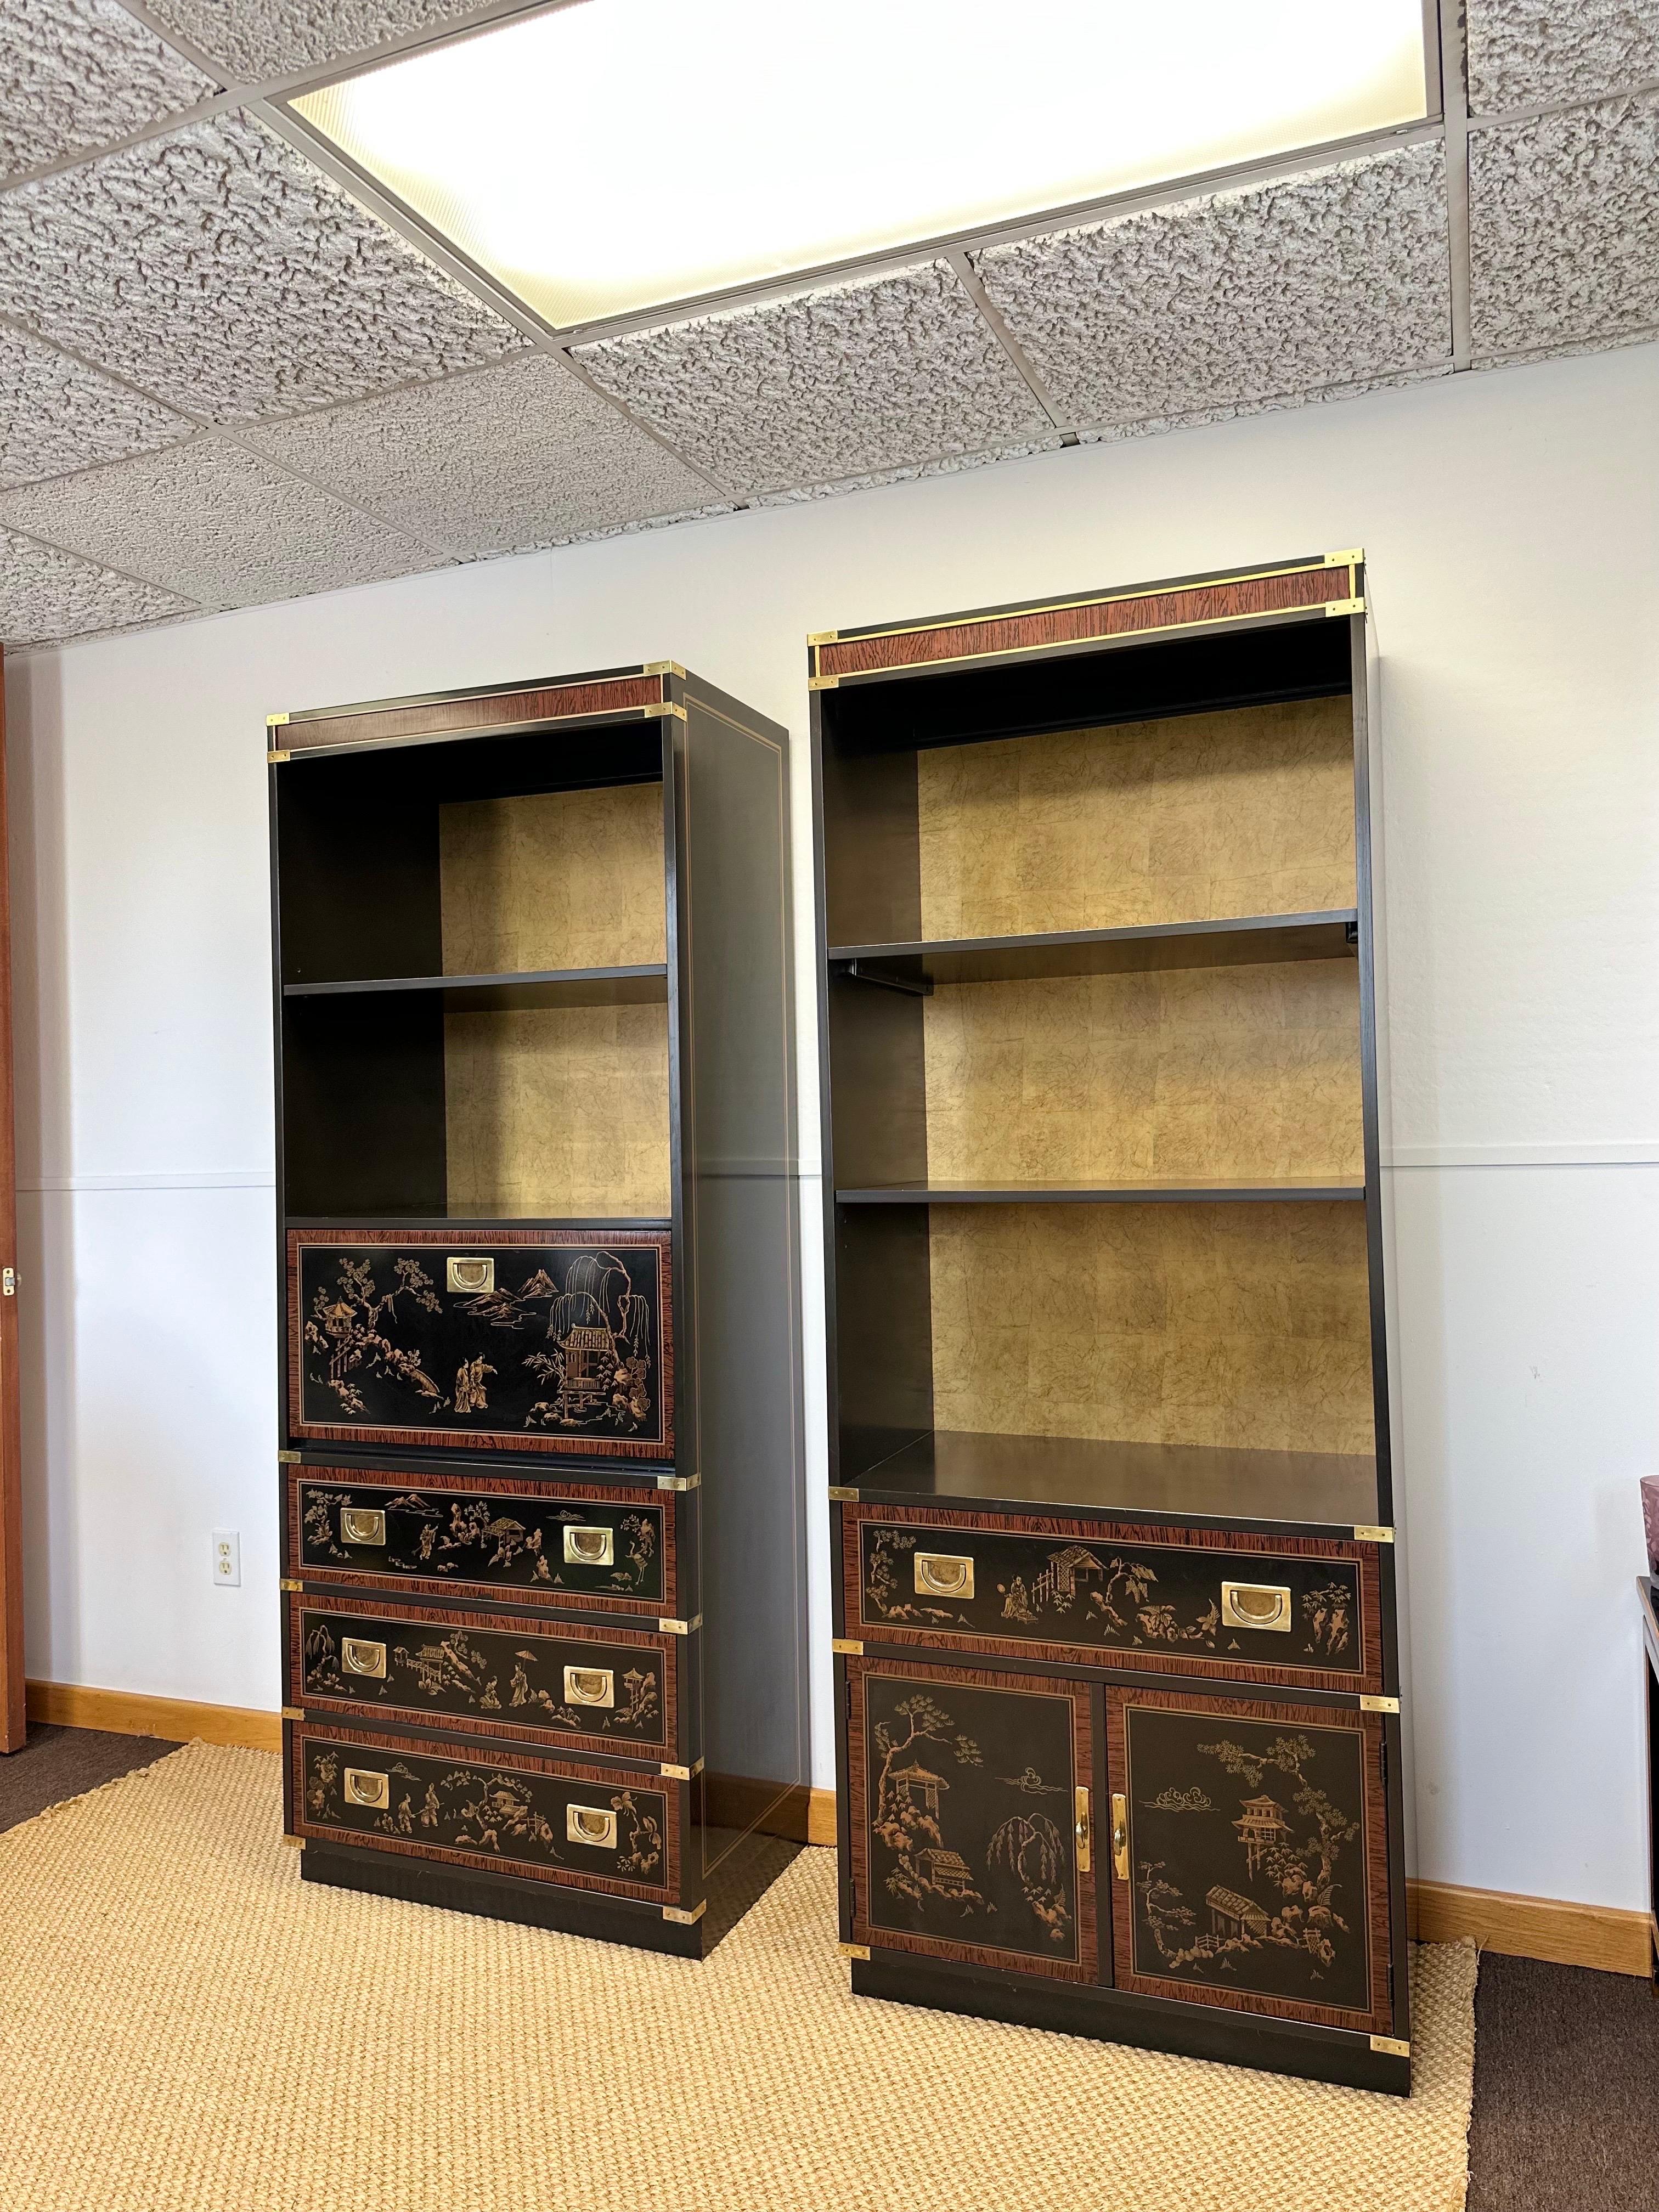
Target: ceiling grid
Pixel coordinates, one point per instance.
(203, 305)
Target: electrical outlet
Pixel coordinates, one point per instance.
(228, 1558)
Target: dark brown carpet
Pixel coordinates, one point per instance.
(1566, 2063)
(1567, 2090)
(58, 1763)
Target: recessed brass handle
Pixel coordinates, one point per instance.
(361, 1525)
(362, 1788)
(945, 1574)
(590, 1547)
(1084, 1839)
(589, 1685)
(359, 1656)
(1255, 1605)
(586, 1824)
(470, 1270)
(1119, 1836)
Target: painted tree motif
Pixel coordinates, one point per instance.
(345, 1332)
(1328, 1614)
(906, 1806)
(883, 1582)
(1028, 1846)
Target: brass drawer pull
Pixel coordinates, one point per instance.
(1119, 1836)
(362, 1788)
(590, 1547)
(586, 1824)
(359, 1656)
(360, 1524)
(589, 1685)
(945, 1574)
(470, 1270)
(1255, 1605)
(1084, 1834)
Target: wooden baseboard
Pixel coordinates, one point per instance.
(124, 1712)
(802, 1814)
(1597, 1935)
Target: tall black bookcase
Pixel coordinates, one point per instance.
(1111, 1497)
(542, 1589)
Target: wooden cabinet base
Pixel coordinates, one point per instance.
(1110, 2016)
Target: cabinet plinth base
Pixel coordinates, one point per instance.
(1272, 2046)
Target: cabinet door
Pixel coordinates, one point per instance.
(970, 1806)
(1249, 1854)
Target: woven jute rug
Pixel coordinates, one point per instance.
(184, 2027)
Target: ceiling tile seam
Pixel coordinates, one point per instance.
(18, 328)
(961, 269)
(1511, 118)
(1356, 387)
(108, 568)
(204, 111)
(738, 501)
(231, 436)
(386, 207)
(1566, 348)
(1046, 222)
(1455, 97)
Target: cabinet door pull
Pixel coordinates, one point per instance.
(362, 1524)
(470, 1270)
(360, 1656)
(1119, 1836)
(1084, 1835)
(945, 1574)
(362, 1788)
(588, 1823)
(590, 1686)
(1255, 1605)
(590, 1547)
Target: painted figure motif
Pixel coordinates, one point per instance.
(504, 1546)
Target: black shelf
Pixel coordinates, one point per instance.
(476, 1218)
(534, 987)
(1247, 940)
(1323, 1489)
(1295, 1190)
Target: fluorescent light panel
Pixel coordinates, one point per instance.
(615, 154)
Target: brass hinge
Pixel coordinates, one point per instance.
(294, 1712)
(854, 1950)
(1391, 2046)
(838, 1496)
(681, 1918)
(846, 1648)
(665, 706)
(663, 668)
(1373, 1535)
(287, 1582)
(1346, 560)
(8, 1282)
(679, 1481)
(295, 1843)
(680, 1627)
(276, 759)
(822, 683)
(1345, 606)
(287, 1459)
(1379, 1704)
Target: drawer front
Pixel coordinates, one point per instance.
(965, 1816)
(555, 1340)
(1249, 1854)
(1019, 1586)
(438, 1535)
(597, 1691)
(510, 1812)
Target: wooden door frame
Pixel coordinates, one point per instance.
(13, 1722)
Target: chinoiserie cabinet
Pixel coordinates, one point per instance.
(1117, 1675)
(543, 1587)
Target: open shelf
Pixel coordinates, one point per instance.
(1299, 1188)
(1338, 1489)
(1238, 943)
(639, 985)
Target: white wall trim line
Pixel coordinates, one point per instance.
(223, 1179)
(1630, 1152)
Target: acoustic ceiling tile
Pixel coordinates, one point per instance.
(45, 593)
(56, 416)
(217, 523)
(953, 465)
(256, 40)
(497, 461)
(79, 74)
(1268, 291)
(1563, 227)
(871, 376)
(1523, 53)
(218, 270)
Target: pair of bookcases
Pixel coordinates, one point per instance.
(1116, 1667)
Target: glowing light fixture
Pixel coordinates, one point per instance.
(615, 154)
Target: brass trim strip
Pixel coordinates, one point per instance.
(683, 1919)
(854, 1950)
(1367, 1534)
(676, 1773)
(294, 1712)
(1379, 1704)
(663, 708)
(845, 1646)
(680, 1627)
(295, 1843)
(838, 1496)
(275, 721)
(662, 668)
(1391, 2046)
(679, 1481)
(288, 1583)
(275, 759)
(1351, 556)
(287, 1459)
(823, 637)
(1345, 606)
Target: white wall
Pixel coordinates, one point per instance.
(1510, 525)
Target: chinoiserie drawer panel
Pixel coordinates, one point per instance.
(1250, 1856)
(1091, 1592)
(555, 1339)
(968, 1810)
(613, 1693)
(500, 1811)
(572, 1546)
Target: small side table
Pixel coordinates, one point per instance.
(1647, 1588)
